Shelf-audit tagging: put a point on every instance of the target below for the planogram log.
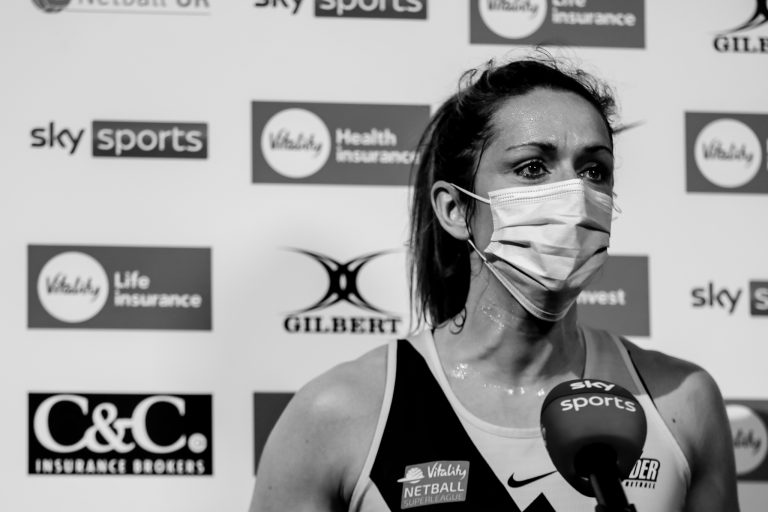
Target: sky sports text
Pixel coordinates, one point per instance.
(129, 139)
(574, 404)
(715, 297)
(409, 9)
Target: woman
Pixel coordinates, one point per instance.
(511, 217)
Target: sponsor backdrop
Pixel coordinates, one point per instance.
(205, 205)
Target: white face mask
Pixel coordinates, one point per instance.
(548, 242)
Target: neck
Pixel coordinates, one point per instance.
(505, 344)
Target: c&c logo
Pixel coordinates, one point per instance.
(343, 279)
(750, 437)
(296, 143)
(735, 40)
(73, 287)
(726, 152)
(116, 434)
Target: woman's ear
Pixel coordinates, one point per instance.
(450, 212)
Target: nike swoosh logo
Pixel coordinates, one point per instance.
(519, 483)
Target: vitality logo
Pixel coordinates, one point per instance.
(735, 40)
(343, 286)
(433, 483)
(748, 419)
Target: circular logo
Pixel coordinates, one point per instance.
(296, 143)
(728, 153)
(513, 19)
(51, 5)
(73, 287)
(197, 443)
(750, 438)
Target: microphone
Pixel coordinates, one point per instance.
(594, 431)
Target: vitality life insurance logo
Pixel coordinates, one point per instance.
(178, 7)
(344, 289)
(126, 139)
(750, 33)
(748, 419)
(618, 299)
(726, 153)
(604, 23)
(335, 143)
(119, 287)
(120, 434)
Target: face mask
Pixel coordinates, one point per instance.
(548, 242)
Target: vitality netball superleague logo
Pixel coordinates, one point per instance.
(343, 287)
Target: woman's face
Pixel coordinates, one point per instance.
(542, 137)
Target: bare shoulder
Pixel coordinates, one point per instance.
(317, 449)
(684, 394)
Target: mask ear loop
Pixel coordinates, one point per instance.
(467, 213)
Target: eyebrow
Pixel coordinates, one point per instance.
(551, 148)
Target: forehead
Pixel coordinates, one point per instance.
(549, 115)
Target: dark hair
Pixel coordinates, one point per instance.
(450, 148)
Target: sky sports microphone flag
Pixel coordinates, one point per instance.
(594, 431)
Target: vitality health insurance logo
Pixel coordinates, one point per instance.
(618, 300)
(743, 37)
(335, 143)
(604, 23)
(726, 152)
(388, 9)
(343, 289)
(119, 287)
(127, 139)
(120, 434)
(728, 299)
(748, 419)
(179, 7)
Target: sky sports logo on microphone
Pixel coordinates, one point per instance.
(580, 402)
(127, 139)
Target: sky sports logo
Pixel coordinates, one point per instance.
(119, 287)
(178, 7)
(618, 298)
(748, 419)
(601, 23)
(726, 152)
(128, 139)
(333, 143)
(386, 9)
(120, 434)
(728, 299)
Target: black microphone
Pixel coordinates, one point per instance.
(594, 432)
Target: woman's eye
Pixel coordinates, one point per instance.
(532, 170)
(596, 174)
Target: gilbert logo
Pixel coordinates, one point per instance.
(740, 39)
(726, 152)
(343, 287)
(434, 483)
(295, 143)
(750, 438)
(114, 434)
